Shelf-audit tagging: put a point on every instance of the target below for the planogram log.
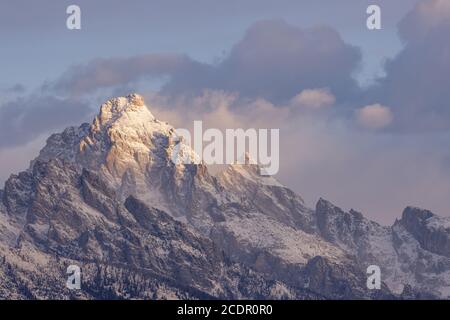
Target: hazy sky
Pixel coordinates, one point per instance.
(36, 46)
(364, 115)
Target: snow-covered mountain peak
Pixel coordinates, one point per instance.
(108, 193)
(123, 111)
(322, 203)
(125, 143)
(416, 214)
(251, 173)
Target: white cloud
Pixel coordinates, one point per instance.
(314, 99)
(374, 116)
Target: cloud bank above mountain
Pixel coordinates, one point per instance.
(274, 61)
(23, 119)
(417, 79)
(279, 62)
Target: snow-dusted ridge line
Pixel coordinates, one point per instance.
(71, 203)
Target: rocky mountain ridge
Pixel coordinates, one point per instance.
(107, 197)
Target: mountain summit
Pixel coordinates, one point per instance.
(106, 197)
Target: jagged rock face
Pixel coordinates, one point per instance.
(336, 225)
(130, 149)
(264, 194)
(107, 197)
(337, 280)
(412, 254)
(118, 244)
(432, 232)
